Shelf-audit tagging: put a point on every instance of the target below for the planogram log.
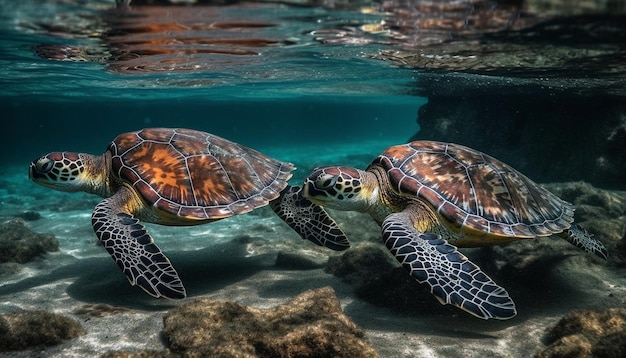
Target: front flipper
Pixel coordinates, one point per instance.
(134, 251)
(309, 220)
(583, 240)
(447, 273)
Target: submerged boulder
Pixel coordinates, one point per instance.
(19, 244)
(33, 329)
(588, 333)
(310, 325)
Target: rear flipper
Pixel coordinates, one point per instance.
(309, 220)
(447, 273)
(134, 251)
(583, 240)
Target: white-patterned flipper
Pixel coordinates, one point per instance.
(133, 249)
(583, 240)
(447, 273)
(309, 220)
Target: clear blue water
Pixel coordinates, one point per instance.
(294, 91)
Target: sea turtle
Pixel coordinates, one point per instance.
(177, 177)
(430, 197)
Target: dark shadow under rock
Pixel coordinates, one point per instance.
(379, 280)
(597, 333)
(309, 325)
(360, 264)
(19, 244)
(33, 329)
(30, 215)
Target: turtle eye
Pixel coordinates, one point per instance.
(44, 165)
(325, 181)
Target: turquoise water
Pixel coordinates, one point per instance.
(293, 91)
(304, 83)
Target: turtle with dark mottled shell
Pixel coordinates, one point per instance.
(177, 177)
(431, 197)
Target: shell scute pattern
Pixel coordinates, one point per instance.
(473, 190)
(196, 175)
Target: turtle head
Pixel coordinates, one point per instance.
(64, 171)
(341, 188)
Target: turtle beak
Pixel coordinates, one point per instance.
(314, 195)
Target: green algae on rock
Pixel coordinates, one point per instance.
(309, 325)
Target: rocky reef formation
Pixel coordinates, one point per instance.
(33, 329)
(309, 325)
(588, 333)
(19, 245)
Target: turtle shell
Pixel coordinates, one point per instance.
(474, 193)
(195, 175)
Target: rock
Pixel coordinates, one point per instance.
(597, 333)
(358, 264)
(33, 329)
(309, 325)
(611, 203)
(19, 244)
(9, 268)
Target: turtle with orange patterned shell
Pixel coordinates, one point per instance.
(432, 197)
(177, 177)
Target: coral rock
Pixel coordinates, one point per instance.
(598, 333)
(310, 325)
(19, 244)
(360, 263)
(32, 329)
